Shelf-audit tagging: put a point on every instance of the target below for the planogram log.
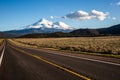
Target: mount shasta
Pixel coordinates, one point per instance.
(42, 26)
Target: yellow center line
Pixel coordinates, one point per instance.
(53, 64)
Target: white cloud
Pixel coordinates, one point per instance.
(79, 15)
(51, 17)
(118, 3)
(99, 15)
(82, 15)
(114, 18)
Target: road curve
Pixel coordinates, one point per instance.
(30, 64)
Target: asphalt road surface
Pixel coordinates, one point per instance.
(21, 63)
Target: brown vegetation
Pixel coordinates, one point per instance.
(106, 45)
(1, 40)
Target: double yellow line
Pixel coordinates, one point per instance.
(53, 64)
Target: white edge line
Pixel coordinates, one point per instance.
(105, 62)
(1, 58)
(94, 60)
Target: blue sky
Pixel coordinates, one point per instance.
(20, 13)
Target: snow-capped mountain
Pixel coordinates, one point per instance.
(42, 26)
(43, 23)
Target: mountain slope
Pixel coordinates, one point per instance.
(47, 35)
(4, 35)
(85, 32)
(42, 26)
(113, 30)
(43, 23)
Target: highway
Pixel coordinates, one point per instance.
(22, 63)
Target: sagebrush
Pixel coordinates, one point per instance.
(107, 45)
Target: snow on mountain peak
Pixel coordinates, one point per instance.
(61, 25)
(43, 23)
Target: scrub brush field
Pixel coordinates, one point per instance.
(103, 45)
(1, 40)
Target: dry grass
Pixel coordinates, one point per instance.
(1, 40)
(106, 45)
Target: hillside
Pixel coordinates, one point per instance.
(110, 31)
(113, 30)
(4, 35)
(47, 35)
(85, 32)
